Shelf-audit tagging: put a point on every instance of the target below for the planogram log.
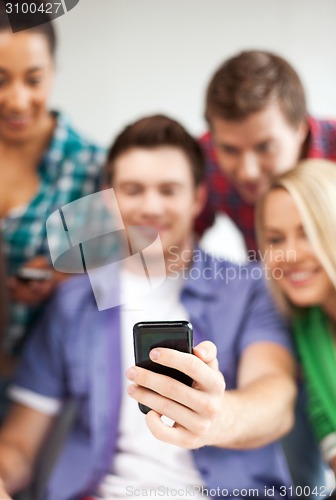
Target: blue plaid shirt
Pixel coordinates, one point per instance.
(70, 169)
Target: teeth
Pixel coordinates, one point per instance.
(300, 276)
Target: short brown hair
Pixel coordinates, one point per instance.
(152, 132)
(251, 80)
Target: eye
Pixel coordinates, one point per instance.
(34, 81)
(229, 150)
(168, 191)
(3, 82)
(264, 147)
(130, 189)
(133, 191)
(274, 240)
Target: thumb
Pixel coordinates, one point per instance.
(207, 352)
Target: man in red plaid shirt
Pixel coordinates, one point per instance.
(259, 127)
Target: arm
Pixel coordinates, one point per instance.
(259, 411)
(263, 405)
(21, 437)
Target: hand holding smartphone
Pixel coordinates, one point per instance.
(31, 285)
(176, 335)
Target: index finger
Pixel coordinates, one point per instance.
(205, 376)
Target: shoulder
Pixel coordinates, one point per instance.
(75, 144)
(205, 139)
(322, 138)
(236, 298)
(70, 298)
(218, 274)
(207, 146)
(242, 287)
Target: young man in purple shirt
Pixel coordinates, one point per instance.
(225, 437)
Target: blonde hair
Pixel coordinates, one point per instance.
(312, 186)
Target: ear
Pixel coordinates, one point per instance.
(201, 196)
(303, 130)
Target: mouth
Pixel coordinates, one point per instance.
(300, 278)
(250, 191)
(151, 228)
(17, 122)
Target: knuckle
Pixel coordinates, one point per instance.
(193, 364)
(219, 383)
(172, 388)
(140, 376)
(210, 407)
(144, 377)
(202, 428)
(165, 407)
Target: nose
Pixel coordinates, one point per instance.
(17, 98)
(152, 204)
(249, 168)
(294, 250)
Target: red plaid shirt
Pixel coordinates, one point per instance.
(224, 198)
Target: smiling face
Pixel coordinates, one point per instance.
(251, 151)
(155, 188)
(26, 73)
(300, 274)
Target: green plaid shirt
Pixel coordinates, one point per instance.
(70, 169)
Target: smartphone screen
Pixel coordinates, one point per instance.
(34, 274)
(171, 334)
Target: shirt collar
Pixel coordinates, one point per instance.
(57, 146)
(200, 276)
(199, 280)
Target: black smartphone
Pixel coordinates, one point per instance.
(34, 274)
(172, 334)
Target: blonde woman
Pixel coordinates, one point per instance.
(296, 228)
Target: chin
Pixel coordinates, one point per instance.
(250, 199)
(16, 135)
(304, 301)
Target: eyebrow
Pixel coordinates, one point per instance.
(167, 183)
(268, 228)
(29, 70)
(275, 230)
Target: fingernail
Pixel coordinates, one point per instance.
(154, 354)
(130, 374)
(131, 389)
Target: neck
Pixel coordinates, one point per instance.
(179, 257)
(174, 260)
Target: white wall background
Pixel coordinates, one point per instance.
(121, 59)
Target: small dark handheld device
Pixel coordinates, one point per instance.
(176, 335)
(34, 274)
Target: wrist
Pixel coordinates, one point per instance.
(226, 424)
